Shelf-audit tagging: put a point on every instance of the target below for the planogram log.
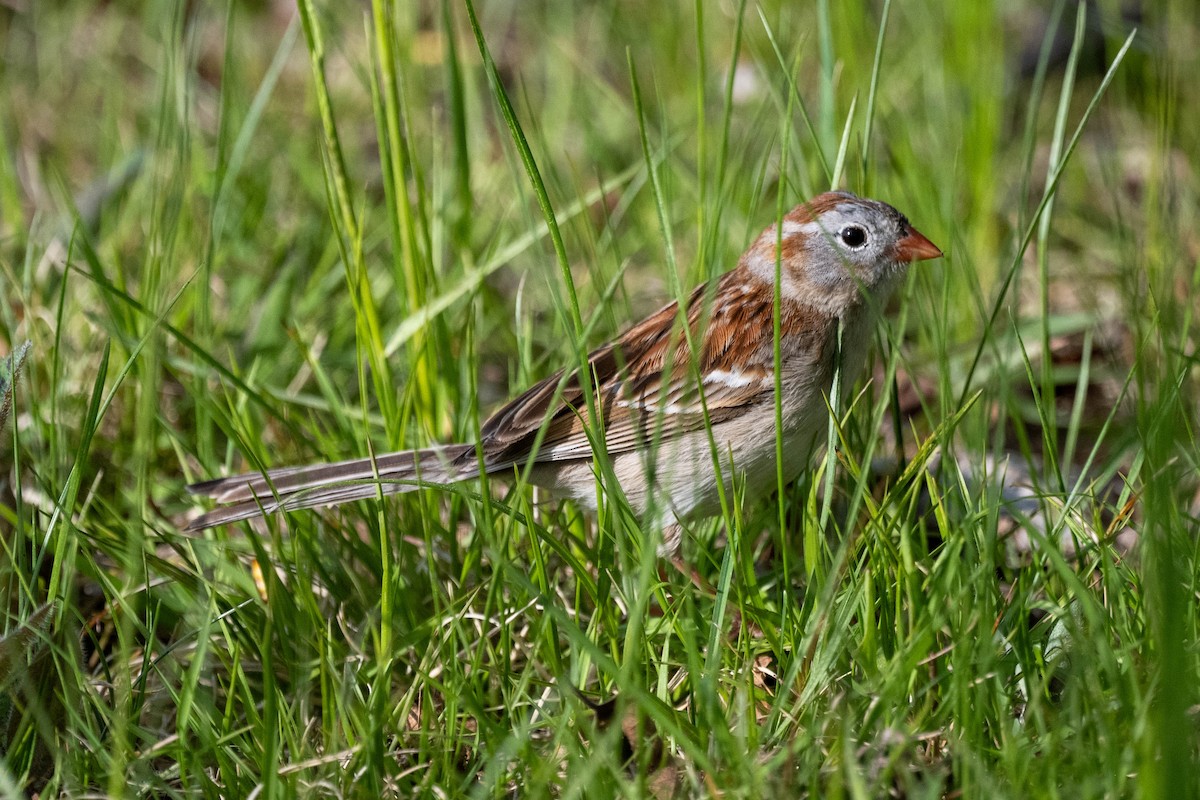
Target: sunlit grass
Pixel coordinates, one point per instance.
(243, 238)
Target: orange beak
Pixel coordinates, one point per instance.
(915, 247)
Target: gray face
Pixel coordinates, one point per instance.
(852, 244)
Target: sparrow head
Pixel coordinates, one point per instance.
(837, 246)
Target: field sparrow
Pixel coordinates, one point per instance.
(840, 257)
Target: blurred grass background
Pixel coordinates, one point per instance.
(256, 234)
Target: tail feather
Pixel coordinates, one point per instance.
(289, 488)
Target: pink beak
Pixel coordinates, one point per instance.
(915, 247)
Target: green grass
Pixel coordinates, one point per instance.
(241, 236)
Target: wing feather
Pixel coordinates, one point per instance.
(649, 387)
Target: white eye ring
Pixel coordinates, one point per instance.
(853, 236)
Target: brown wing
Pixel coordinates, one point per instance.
(645, 384)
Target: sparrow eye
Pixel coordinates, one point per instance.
(853, 236)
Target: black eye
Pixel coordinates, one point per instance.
(853, 236)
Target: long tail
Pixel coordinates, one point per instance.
(289, 488)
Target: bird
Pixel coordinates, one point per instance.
(683, 403)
